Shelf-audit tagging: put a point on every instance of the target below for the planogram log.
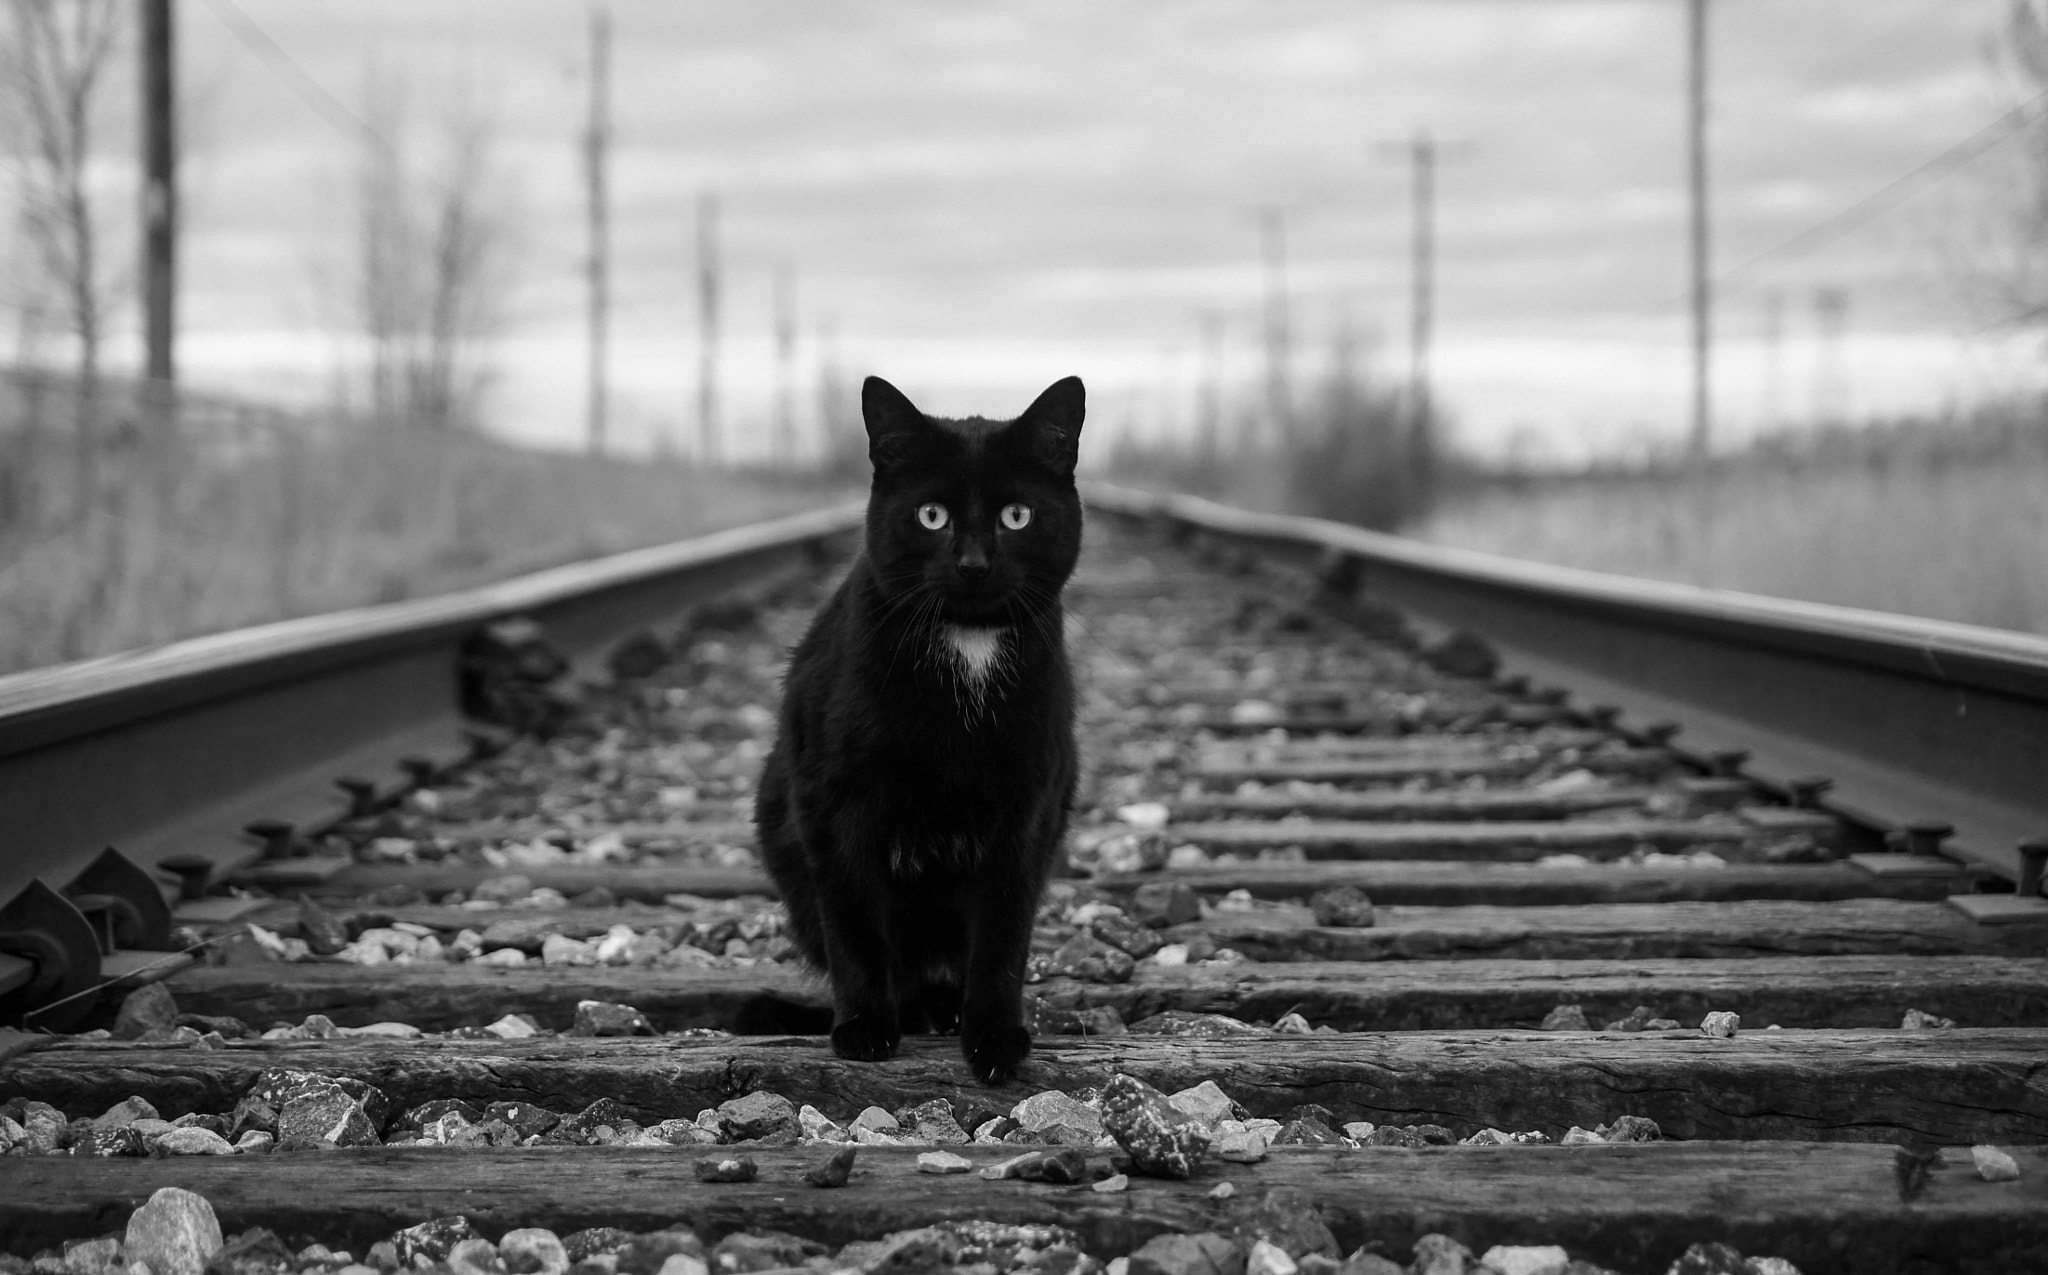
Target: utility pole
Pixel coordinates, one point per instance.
(1830, 370)
(1209, 408)
(159, 194)
(785, 366)
(1702, 286)
(1279, 340)
(707, 328)
(1423, 153)
(596, 147)
(1774, 360)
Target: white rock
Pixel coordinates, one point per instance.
(943, 1162)
(1181, 857)
(511, 1026)
(253, 1142)
(616, 947)
(1247, 1147)
(1577, 1137)
(1118, 1266)
(1268, 1258)
(1994, 1165)
(194, 1141)
(361, 953)
(1526, 1259)
(1291, 1023)
(1145, 815)
(383, 1031)
(1769, 1266)
(875, 1120)
(816, 1124)
(474, 1256)
(1359, 1130)
(533, 1251)
(1721, 1023)
(683, 1264)
(1112, 1184)
(1205, 1102)
(175, 1232)
(1004, 1168)
(1223, 1190)
(1044, 1110)
(1170, 954)
(560, 949)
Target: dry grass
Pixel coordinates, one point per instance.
(225, 527)
(1895, 525)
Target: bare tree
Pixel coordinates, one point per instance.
(50, 67)
(431, 276)
(2002, 262)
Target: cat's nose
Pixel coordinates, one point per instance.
(973, 562)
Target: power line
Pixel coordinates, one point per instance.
(293, 76)
(1899, 189)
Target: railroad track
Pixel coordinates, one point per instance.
(1424, 927)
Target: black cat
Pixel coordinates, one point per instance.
(917, 794)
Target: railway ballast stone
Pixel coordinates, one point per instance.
(1341, 905)
(760, 1114)
(176, 1233)
(1993, 1164)
(1286, 1218)
(433, 1239)
(192, 1141)
(1207, 1103)
(1566, 1018)
(1046, 1110)
(931, 1122)
(1162, 903)
(148, 1008)
(1091, 960)
(608, 1018)
(739, 1168)
(1437, 1254)
(1204, 1254)
(834, 1170)
(1526, 1259)
(1161, 1139)
(325, 1113)
(533, 1251)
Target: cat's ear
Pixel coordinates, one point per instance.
(1053, 422)
(893, 421)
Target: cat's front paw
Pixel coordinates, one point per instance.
(993, 1056)
(866, 1039)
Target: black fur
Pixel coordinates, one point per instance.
(909, 822)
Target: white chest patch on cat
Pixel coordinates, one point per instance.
(975, 652)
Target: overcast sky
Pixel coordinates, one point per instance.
(980, 198)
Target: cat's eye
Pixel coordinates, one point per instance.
(932, 516)
(1016, 517)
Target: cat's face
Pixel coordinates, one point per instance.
(979, 515)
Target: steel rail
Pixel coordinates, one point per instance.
(1915, 721)
(173, 750)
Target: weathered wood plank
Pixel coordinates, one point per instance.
(1950, 1087)
(1622, 931)
(1498, 840)
(1416, 881)
(1483, 803)
(1436, 765)
(647, 882)
(1548, 740)
(1826, 1207)
(1817, 991)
